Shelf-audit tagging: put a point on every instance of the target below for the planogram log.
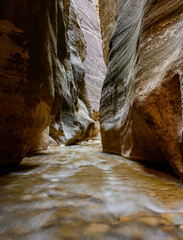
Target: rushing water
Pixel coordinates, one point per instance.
(80, 193)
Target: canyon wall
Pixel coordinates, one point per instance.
(109, 12)
(72, 120)
(84, 73)
(95, 68)
(141, 106)
(29, 89)
(42, 76)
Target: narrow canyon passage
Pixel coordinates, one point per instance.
(71, 70)
(78, 192)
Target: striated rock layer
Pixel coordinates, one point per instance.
(42, 76)
(109, 12)
(72, 120)
(95, 68)
(84, 71)
(141, 112)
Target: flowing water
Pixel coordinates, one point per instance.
(80, 193)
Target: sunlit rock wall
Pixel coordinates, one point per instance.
(141, 112)
(95, 68)
(42, 76)
(84, 72)
(72, 121)
(109, 12)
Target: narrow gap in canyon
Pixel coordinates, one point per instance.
(64, 63)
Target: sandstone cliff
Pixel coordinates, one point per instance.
(84, 69)
(72, 120)
(95, 68)
(109, 12)
(29, 36)
(141, 112)
(42, 76)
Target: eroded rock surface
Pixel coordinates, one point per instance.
(42, 76)
(84, 71)
(95, 68)
(72, 121)
(141, 113)
(30, 33)
(109, 12)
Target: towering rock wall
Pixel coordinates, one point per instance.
(29, 92)
(84, 72)
(72, 120)
(95, 68)
(109, 12)
(42, 77)
(141, 112)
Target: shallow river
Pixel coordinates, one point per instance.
(80, 193)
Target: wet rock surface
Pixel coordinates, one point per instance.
(78, 192)
(141, 110)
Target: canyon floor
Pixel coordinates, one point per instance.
(80, 193)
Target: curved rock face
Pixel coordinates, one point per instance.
(72, 121)
(84, 72)
(95, 68)
(30, 32)
(141, 112)
(42, 76)
(109, 12)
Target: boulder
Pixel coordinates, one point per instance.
(41, 142)
(141, 106)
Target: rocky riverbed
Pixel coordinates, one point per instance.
(79, 193)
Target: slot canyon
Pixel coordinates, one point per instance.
(91, 144)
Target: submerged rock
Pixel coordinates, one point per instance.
(141, 112)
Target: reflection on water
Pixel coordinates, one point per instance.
(79, 193)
